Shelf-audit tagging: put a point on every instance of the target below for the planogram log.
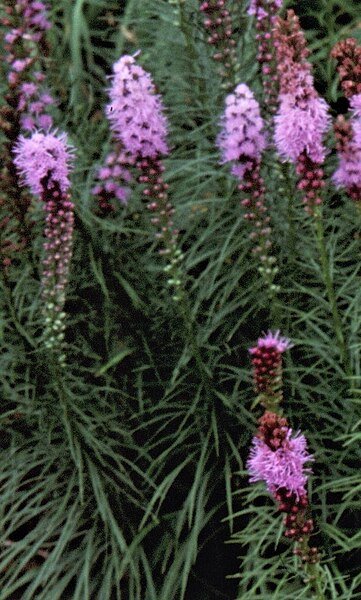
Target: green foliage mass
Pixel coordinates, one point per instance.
(124, 476)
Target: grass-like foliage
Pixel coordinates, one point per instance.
(124, 473)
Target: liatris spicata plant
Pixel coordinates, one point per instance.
(265, 12)
(241, 143)
(302, 119)
(43, 162)
(25, 105)
(267, 368)
(278, 456)
(136, 114)
(218, 24)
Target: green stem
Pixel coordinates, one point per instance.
(56, 371)
(191, 49)
(192, 340)
(326, 272)
(313, 571)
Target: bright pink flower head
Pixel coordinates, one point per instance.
(300, 126)
(135, 111)
(283, 467)
(44, 155)
(241, 140)
(272, 341)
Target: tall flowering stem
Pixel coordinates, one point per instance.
(241, 143)
(278, 456)
(139, 125)
(300, 125)
(265, 12)
(218, 24)
(43, 162)
(347, 53)
(137, 119)
(24, 27)
(302, 118)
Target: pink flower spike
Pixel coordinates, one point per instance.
(44, 155)
(283, 467)
(135, 111)
(241, 140)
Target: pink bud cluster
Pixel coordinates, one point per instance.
(347, 53)
(302, 119)
(43, 162)
(241, 142)
(267, 367)
(156, 192)
(112, 180)
(265, 13)
(218, 24)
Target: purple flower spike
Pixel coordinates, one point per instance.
(281, 468)
(300, 127)
(44, 163)
(43, 155)
(135, 111)
(241, 140)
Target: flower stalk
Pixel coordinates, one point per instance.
(43, 162)
(241, 142)
(278, 457)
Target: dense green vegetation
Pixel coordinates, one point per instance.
(123, 475)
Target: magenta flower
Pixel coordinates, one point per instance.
(302, 118)
(272, 340)
(300, 126)
(43, 156)
(283, 467)
(241, 140)
(135, 111)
